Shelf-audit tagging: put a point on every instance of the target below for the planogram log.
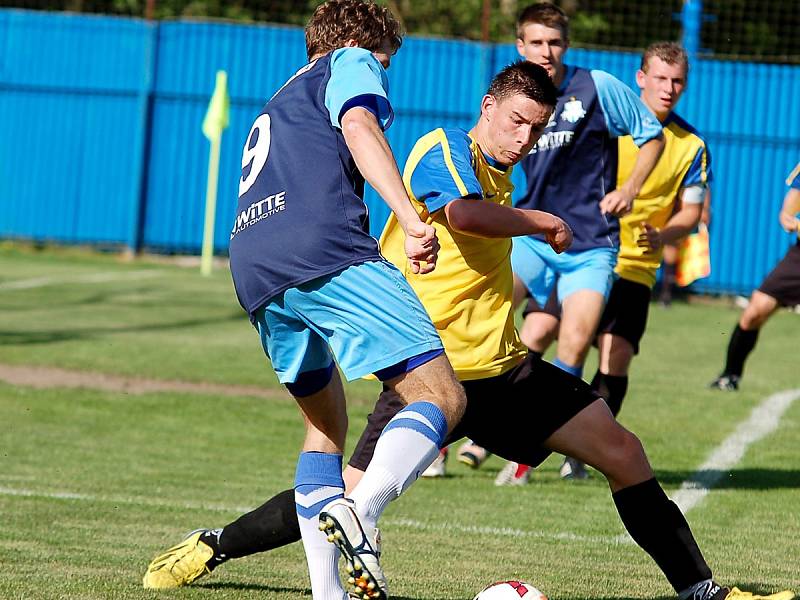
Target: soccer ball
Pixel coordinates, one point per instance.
(510, 590)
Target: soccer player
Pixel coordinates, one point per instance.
(668, 207)
(460, 182)
(316, 286)
(572, 173)
(780, 288)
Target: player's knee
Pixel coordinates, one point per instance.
(629, 461)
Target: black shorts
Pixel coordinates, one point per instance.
(510, 415)
(783, 282)
(626, 311)
(552, 307)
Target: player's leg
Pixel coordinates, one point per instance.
(271, 525)
(584, 283)
(374, 323)
(780, 288)
(670, 262)
(620, 330)
(553, 410)
(540, 324)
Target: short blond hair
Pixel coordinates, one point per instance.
(671, 53)
(337, 21)
(543, 13)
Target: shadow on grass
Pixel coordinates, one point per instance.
(300, 591)
(736, 479)
(65, 335)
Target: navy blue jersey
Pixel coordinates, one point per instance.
(574, 163)
(300, 213)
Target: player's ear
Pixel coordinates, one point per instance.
(640, 75)
(521, 47)
(488, 105)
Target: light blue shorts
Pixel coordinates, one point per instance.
(540, 268)
(367, 315)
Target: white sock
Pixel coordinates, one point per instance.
(407, 446)
(317, 482)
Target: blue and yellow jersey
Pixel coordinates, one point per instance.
(684, 164)
(469, 294)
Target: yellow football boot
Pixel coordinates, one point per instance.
(737, 594)
(180, 565)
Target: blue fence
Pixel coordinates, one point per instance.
(100, 139)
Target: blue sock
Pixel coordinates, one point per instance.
(318, 481)
(576, 370)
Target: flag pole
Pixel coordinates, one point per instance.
(216, 120)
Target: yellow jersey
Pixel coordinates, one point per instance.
(685, 163)
(469, 294)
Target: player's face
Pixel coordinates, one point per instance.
(662, 85)
(515, 125)
(544, 46)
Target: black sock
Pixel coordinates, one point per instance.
(271, 525)
(612, 388)
(656, 523)
(534, 353)
(741, 344)
(667, 283)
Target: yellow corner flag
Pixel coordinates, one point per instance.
(216, 118)
(215, 121)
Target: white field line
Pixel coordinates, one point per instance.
(764, 419)
(27, 284)
(445, 527)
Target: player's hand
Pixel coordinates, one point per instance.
(617, 203)
(650, 237)
(560, 235)
(422, 247)
(789, 222)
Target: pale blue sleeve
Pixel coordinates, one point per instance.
(624, 112)
(357, 79)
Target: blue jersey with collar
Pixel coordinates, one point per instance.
(574, 163)
(300, 213)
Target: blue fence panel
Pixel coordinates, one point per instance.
(101, 139)
(69, 113)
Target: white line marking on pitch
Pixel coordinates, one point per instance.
(396, 522)
(26, 284)
(764, 419)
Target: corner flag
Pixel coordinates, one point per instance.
(215, 121)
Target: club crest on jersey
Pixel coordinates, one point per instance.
(573, 111)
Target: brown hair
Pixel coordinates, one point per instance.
(337, 21)
(543, 13)
(526, 78)
(671, 53)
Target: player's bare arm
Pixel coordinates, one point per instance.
(376, 162)
(620, 201)
(681, 224)
(789, 210)
(485, 219)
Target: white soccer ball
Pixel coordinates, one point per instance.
(510, 590)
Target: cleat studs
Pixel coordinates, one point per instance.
(338, 535)
(322, 526)
(349, 568)
(329, 522)
(357, 565)
(351, 580)
(371, 586)
(331, 537)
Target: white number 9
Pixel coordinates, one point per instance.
(256, 156)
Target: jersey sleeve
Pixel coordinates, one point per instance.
(441, 170)
(793, 181)
(624, 112)
(357, 79)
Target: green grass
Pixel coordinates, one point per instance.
(94, 483)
